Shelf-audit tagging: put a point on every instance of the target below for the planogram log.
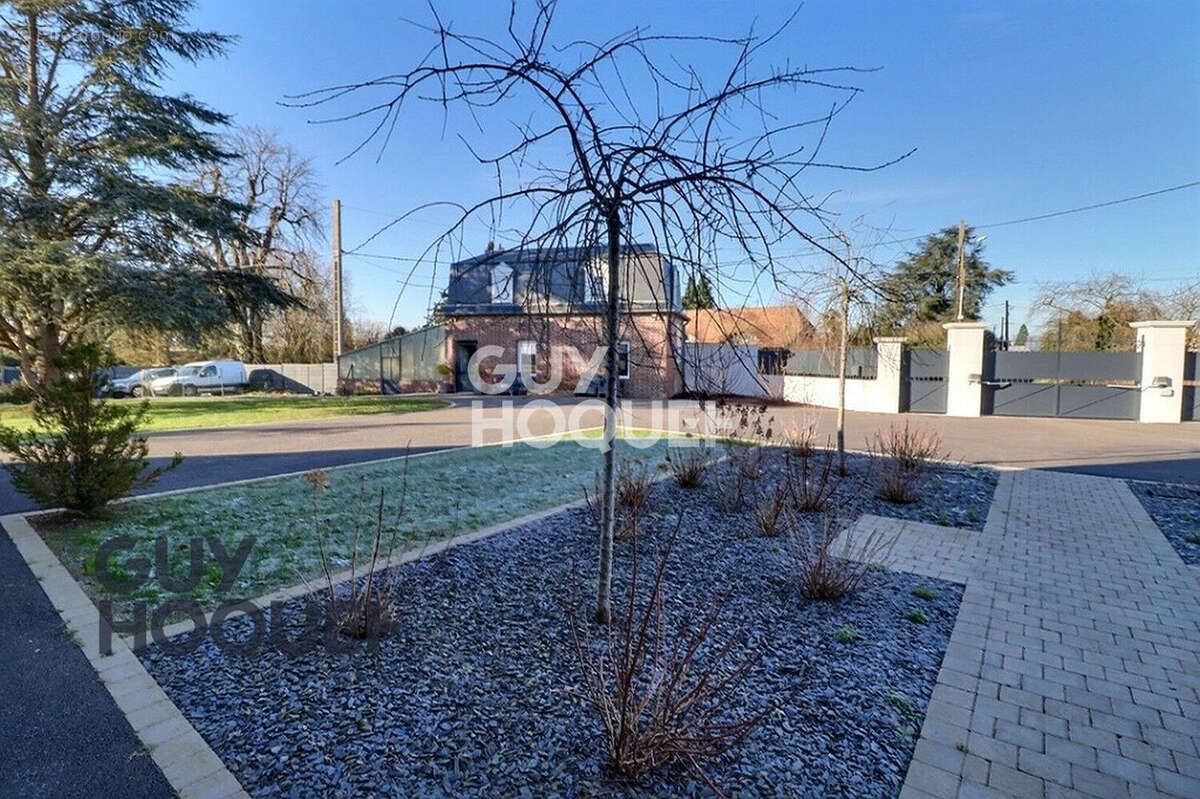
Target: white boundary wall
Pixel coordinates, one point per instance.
(880, 394)
(723, 369)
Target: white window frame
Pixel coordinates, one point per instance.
(623, 348)
(502, 284)
(527, 348)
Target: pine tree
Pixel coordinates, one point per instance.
(94, 218)
(698, 294)
(923, 287)
(1022, 339)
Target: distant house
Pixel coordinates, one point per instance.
(776, 330)
(534, 303)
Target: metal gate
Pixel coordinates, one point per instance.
(1191, 387)
(923, 377)
(1084, 385)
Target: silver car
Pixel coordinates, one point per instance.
(138, 383)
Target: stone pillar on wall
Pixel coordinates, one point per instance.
(1163, 345)
(964, 372)
(889, 366)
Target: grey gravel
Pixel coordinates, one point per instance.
(474, 693)
(1175, 508)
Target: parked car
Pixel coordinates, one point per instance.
(138, 383)
(202, 377)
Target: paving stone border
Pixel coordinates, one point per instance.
(185, 759)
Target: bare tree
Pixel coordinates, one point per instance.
(302, 333)
(275, 192)
(622, 141)
(1094, 313)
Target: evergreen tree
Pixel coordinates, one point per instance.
(93, 217)
(924, 286)
(698, 294)
(1022, 339)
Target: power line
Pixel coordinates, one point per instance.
(983, 226)
(1005, 223)
(1092, 207)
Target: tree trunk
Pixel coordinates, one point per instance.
(608, 506)
(841, 411)
(48, 349)
(246, 336)
(258, 356)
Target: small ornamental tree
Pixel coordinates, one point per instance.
(82, 453)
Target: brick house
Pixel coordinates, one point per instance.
(542, 306)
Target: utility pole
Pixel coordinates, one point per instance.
(962, 266)
(338, 326)
(1006, 340)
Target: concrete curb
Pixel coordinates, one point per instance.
(185, 759)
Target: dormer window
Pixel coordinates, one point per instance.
(502, 284)
(594, 290)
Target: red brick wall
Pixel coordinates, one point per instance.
(653, 373)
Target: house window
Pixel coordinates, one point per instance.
(594, 292)
(623, 359)
(502, 284)
(527, 357)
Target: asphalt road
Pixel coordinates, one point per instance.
(62, 733)
(1169, 453)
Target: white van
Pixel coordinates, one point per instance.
(203, 377)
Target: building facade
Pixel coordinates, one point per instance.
(540, 314)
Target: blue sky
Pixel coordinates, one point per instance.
(1015, 108)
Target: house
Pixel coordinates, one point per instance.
(775, 330)
(545, 309)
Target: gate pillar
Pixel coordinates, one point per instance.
(964, 375)
(1162, 345)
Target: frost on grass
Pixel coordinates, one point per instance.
(450, 493)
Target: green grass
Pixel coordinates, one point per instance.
(177, 413)
(449, 493)
(846, 634)
(923, 591)
(917, 616)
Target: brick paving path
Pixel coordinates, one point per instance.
(1074, 666)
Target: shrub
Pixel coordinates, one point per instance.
(16, 393)
(732, 484)
(666, 693)
(631, 494)
(812, 485)
(688, 465)
(366, 607)
(82, 453)
(801, 440)
(826, 568)
(917, 616)
(906, 455)
(744, 426)
(770, 514)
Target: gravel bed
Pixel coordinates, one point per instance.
(1176, 510)
(952, 496)
(474, 693)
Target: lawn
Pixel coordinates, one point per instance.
(179, 413)
(448, 493)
